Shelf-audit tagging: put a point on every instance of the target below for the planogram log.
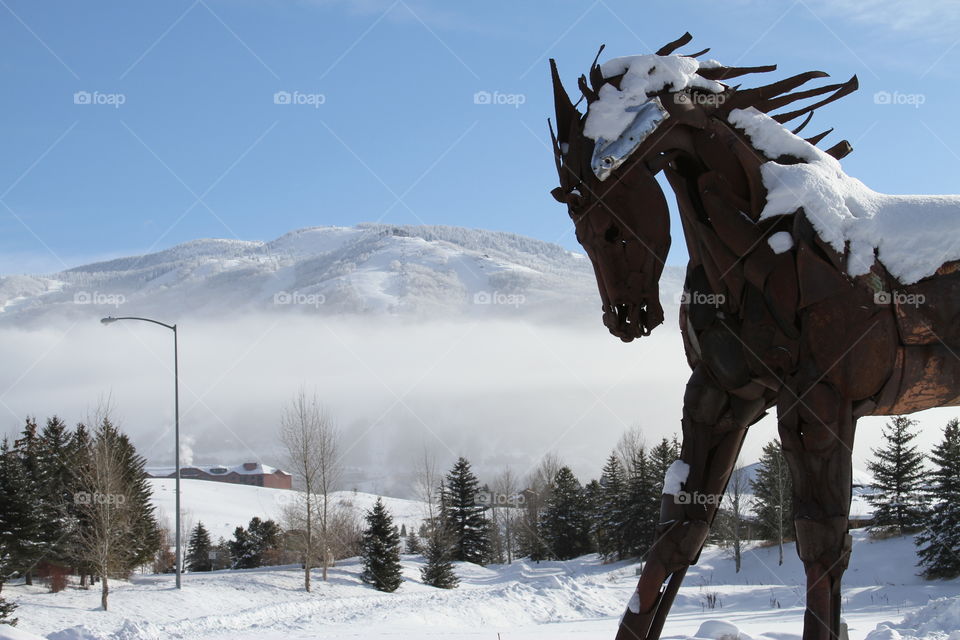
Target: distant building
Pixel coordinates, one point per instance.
(248, 473)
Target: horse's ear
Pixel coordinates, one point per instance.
(567, 114)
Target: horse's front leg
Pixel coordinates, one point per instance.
(817, 429)
(714, 425)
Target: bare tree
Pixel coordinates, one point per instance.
(629, 447)
(427, 486)
(311, 441)
(505, 507)
(102, 503)
(732, 519)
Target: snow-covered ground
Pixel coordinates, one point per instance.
(580, 598)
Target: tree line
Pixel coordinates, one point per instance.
(74, 502)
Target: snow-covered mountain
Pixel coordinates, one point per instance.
(368, 269)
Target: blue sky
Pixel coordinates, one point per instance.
(199, 148)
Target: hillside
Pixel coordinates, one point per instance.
(368, 269)
(222, 507)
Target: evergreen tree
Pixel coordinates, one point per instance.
(773, 495)
(198, 550)
(381, 550)
(566, 527)
(21, 534)
(642, 506)
(414, 545)
(464, 519)
(255, 546)
(41, 515)
(897, 474)
(6, 611)
(53, 453)
(438, 570)
(612, 516)
(940, 539)
(144, 536)
(593, 505)
(661, 457)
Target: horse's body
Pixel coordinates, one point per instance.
(784, 305)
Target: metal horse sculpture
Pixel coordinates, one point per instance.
(775, 312)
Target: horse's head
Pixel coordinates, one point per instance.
(639, 114)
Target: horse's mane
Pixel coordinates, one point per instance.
(766, 98)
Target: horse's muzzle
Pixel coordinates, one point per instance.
(628, 321)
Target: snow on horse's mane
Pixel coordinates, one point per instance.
(609, 115)
(911, 235)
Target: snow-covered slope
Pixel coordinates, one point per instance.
(370, 268)
(222, 506)
(580, 598)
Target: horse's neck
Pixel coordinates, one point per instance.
(720, 194)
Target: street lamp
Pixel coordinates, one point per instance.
(176, 420)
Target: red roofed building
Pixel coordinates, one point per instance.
(249, 473)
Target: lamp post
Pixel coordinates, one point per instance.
(176, 421)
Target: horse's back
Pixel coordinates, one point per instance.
(927, 369)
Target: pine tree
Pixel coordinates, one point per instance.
(897, 478)
(438, 570)
(381, 550)
(53, 459)
(21, 534)
(593, 506)
(6, 611)
(612, 517)
(464, 519)
(642, 506)
(661, 457)
(940, 539)
(566, 527)
(773, 495)
(198, 550)
(41, 515)
(255, 546)
(145, 536)
(414, 546)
